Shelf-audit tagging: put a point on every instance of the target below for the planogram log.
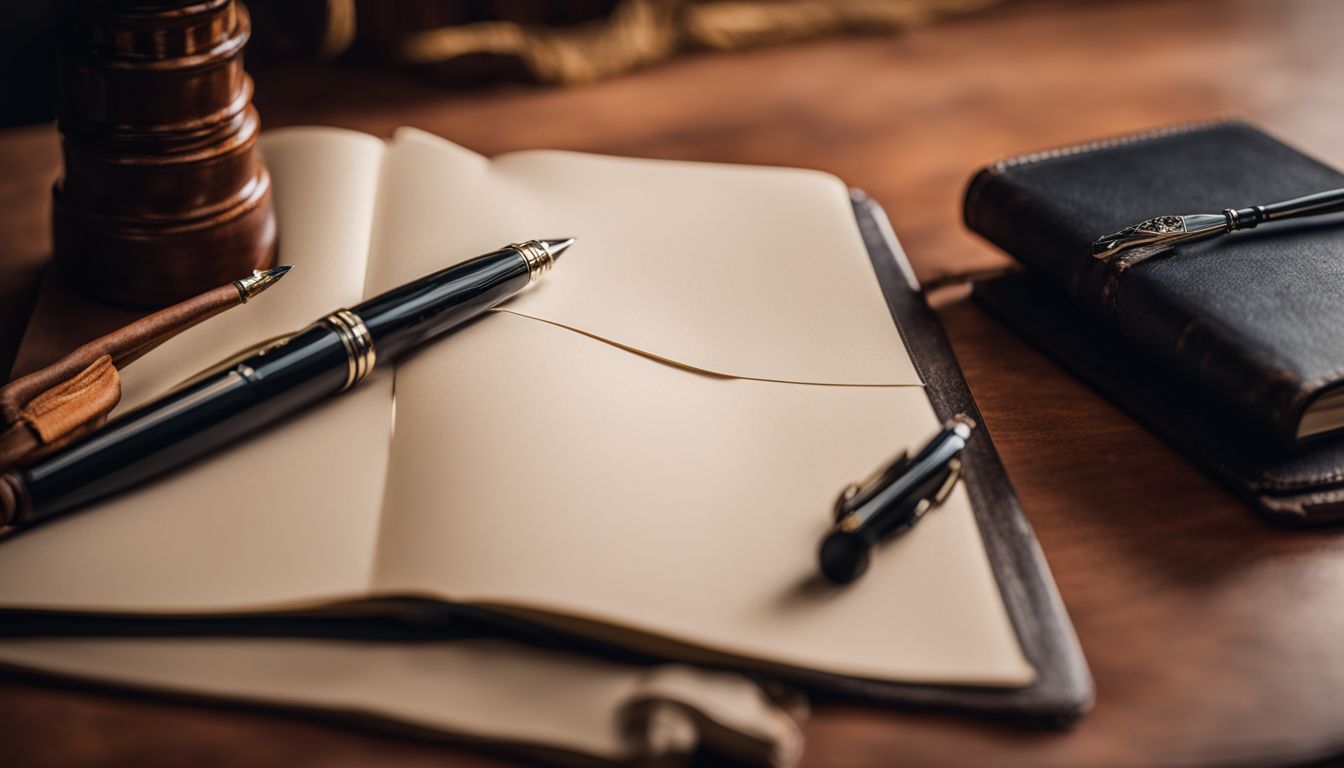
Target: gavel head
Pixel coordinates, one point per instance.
(163, 194)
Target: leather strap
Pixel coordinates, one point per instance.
(63, 411)
(74, 395)
(90, 394)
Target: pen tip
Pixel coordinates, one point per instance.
(260, 280)
(558, 246)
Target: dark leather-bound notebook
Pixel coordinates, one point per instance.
(1231, 349)
(639, 456)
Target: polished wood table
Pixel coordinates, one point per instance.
(1215, 638)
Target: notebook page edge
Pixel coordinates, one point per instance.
(372, 679)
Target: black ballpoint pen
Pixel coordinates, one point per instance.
(892, 501)
(256, 389)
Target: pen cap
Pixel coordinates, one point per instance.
(844, 556)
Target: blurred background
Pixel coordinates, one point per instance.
(901, 98)
(469, 43)
(904, 99)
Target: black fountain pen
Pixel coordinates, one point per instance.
(892, 501)
(1152, 236)
(261, 386)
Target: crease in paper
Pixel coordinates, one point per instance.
(677, 364)
(751, 272)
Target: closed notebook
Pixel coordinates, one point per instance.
(638, 453)
(1230, 348)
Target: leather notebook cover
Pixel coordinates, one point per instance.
(1062, 690)
(1251, 320)
(1210, 346)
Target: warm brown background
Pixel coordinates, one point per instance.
(1215, 639)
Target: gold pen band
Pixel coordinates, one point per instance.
(539, 259)
(359, 352)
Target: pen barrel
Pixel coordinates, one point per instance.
(1330, 201)
(900, 516)
(204, 416)
(412, 314)
(890, 518)
(189, 423)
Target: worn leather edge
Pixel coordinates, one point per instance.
(87, 396)
(1063, 690)
(1101, 359)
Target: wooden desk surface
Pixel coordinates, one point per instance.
(1214, 638)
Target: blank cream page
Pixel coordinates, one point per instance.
(287, 516)
(541, 469)
(739, 270)
(682, 491)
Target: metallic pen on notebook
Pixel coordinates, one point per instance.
(253, 390)
(1161, 231)
(892, 501)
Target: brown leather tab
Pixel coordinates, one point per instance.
(89, 395)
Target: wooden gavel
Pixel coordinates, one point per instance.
(163, 194)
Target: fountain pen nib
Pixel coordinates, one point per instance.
(260, 280)
(1155, 234)
(557, 247)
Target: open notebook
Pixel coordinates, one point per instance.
(642, 450)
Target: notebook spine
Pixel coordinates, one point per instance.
(995, 210)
